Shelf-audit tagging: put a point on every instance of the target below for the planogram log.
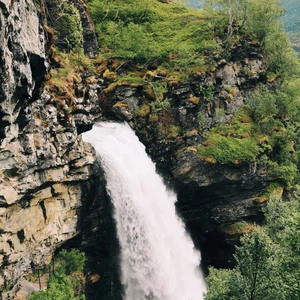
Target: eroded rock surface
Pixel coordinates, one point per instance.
(43, 160)
(211, 196)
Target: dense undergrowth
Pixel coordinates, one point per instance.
(148, 31)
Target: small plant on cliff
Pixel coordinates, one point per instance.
(66, 21)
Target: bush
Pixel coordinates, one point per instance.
(73, 260)
(67, 281)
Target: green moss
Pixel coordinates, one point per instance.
(174, 131)
(131, 78)
(159, 105)
(271, 77)
(273, 191)
(229, 149)
(143, 110)
(62, 72)
(149, 30)
(238, 228)
(234, 142)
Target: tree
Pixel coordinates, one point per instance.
(68, 280)
(66, 22)
(257, 16)
(59, 288)
(255, 276)
(283, 224)
(73, 260)
(268, 260)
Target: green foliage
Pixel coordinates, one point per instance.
(67, 281)
(159, 105)
(222, 285)
(283, 225)
(143, 110)
(229, 149)
(146, 31)
(207, 92)
(73, 260)
(62, 72)
(131, 78)
(238, 228)
(67, 25)
(174, 131)
(269, 111)
(201, 117)
(234, 142)
(268, 261)
(263, 104)
(59, 288)
(261, 18)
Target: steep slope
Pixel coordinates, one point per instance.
(199, 106)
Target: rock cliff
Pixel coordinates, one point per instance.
(211, 196)
(43, 161)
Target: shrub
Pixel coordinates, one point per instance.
(73, 260)
(67, 282)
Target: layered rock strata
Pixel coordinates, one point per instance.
(211, 196)
(43, 160)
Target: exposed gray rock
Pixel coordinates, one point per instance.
(23, 63)
(43, 160)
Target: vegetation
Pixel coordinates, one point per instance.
(64, 18)
(267, 262)
(239, 228)
(148, 31)
(234, 142)
(155, 45)
(263, 20)
(67, 281)
(61, 80)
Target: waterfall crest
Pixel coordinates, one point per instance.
(158, 259)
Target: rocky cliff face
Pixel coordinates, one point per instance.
(43, 161)
(211, 196)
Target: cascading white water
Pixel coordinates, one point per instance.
(158, 259)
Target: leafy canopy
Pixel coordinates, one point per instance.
(268, 260)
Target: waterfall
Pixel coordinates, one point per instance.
(158, 258)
